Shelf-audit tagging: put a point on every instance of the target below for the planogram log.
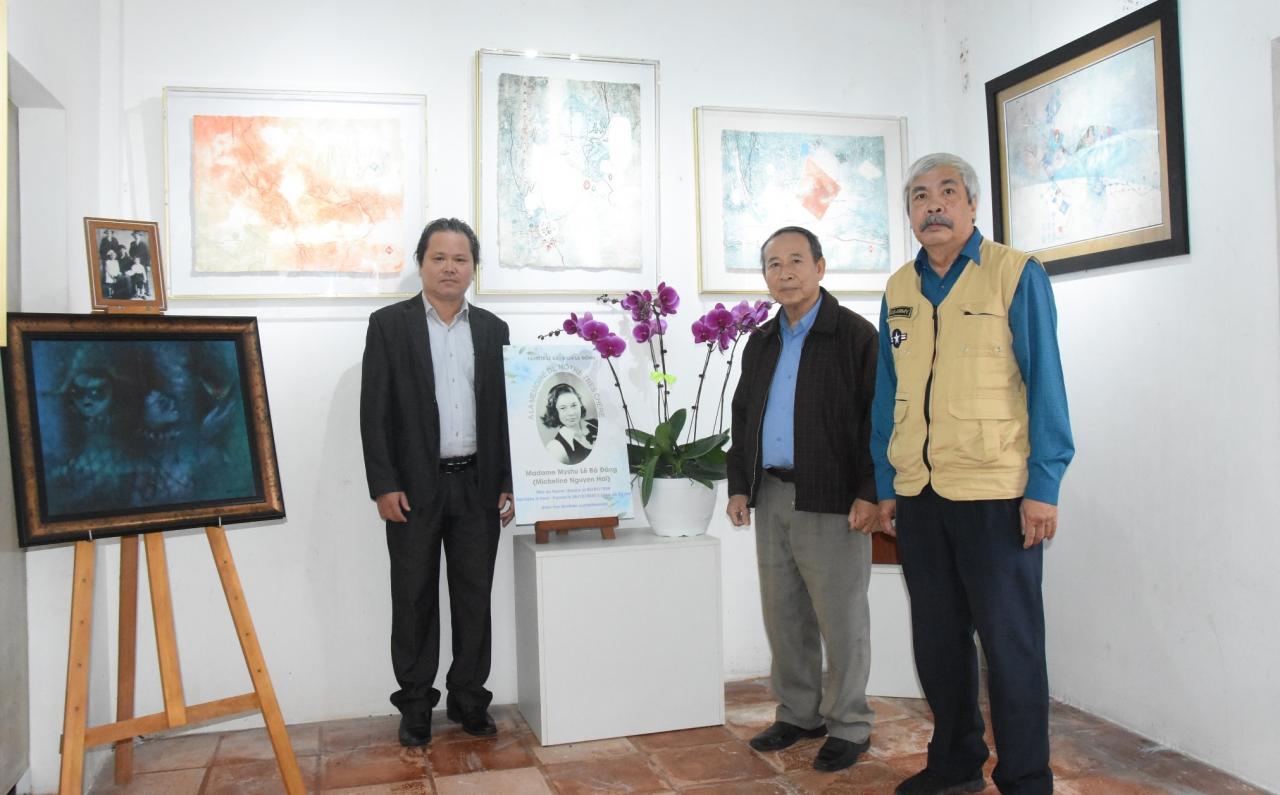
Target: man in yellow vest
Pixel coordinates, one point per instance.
(970, 438)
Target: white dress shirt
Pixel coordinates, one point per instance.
(453, 360)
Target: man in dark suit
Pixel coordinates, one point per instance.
(434, 426)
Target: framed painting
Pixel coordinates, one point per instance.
(838, 176)
(566, 173)
(274, 194)
(125, 269)
(123, 424)
(1087, 157)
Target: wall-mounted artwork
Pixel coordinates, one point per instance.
(1087, 159)
(566, 173)
(125, 268)
(293, 194)
(133, 423)
(838, 176)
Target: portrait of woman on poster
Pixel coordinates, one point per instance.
(575, 434)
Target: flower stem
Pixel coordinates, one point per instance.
(618, 384)
(697, 399)
(727, 370)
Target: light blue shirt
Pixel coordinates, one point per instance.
(779, 441)
(453, 362)
(1033, 321)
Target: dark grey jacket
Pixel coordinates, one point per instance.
(834, 387)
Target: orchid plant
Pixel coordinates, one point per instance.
(662, 453)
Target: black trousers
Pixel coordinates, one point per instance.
(468, 530)
(966, 569)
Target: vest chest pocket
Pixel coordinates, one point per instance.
(983, 329)
(987, 426)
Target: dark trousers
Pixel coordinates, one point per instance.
(468, 530)
(966, 569)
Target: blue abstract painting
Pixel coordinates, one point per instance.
(568, 174)
(129, 424)
(1084, 155)
(833, 185)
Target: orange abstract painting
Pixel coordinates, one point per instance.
(297, 195)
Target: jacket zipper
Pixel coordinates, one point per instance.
(928, 392)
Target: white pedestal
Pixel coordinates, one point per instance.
(618, 637)
(893, 667)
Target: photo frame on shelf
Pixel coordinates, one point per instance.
(836, 175)
(132, 423)
(293, 194)
(1087, 156)
(566, 173)
(126, 270)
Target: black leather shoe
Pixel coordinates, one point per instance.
(927, 782)
(477, 723)
(413, 736)
(783, 735)
(837, 754)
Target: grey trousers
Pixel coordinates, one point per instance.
(814, 574)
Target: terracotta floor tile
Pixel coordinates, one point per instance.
(353, 733)
(1171, 767)
(710, 763)
(915, 707)
(581, 752)
(382, 764)
(422, 787)
(900, 737)
(707, 735)
(261, 777)
(772, 786)
(747, 691)
(760, 715)
(476, 754)
(168, 782)
(1107, 785)
(624, 774)
(1064, 718)
(520, 781)
(868, 776)
(174, 753)
(888, 709)
(252, 745)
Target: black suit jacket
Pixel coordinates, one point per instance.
(399, 419)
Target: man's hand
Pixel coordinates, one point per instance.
(739, 513)
(864, 517)
(506, 507)
(888, 512)
(1039, 522)
(392, 506)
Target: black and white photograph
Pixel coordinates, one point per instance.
(125, 272)
(569, 424)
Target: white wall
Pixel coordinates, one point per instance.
(317, 583)
(1161, 589)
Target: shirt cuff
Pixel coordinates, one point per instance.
(1042, 489)
(884, 483)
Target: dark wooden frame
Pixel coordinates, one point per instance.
(92, 226)
(36, 528)
(1169, 239)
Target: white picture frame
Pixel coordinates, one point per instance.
(575, 219)
(344, 188)
(839, 176)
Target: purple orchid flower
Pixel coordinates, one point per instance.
(702, 331)
(573, 325)
(720, 318)
(593, 330)
(610, 345)
(668, 299)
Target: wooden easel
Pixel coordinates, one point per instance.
(542, 530)
(76, 737)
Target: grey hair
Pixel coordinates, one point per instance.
(942, 160)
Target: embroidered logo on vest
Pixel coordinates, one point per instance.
(901, 311)
(897, 337)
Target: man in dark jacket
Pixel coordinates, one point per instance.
(434, 426)
(800, 456)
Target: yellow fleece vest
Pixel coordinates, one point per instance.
(960, 399)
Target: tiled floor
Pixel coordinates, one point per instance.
(362, 757)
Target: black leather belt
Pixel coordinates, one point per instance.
(459, 464)
(785, 475)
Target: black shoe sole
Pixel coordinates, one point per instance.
(486, 731)
(977, 785)
(833, 767)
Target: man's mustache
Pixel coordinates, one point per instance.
(936, 218)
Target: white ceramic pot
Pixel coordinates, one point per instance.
(680, 507)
